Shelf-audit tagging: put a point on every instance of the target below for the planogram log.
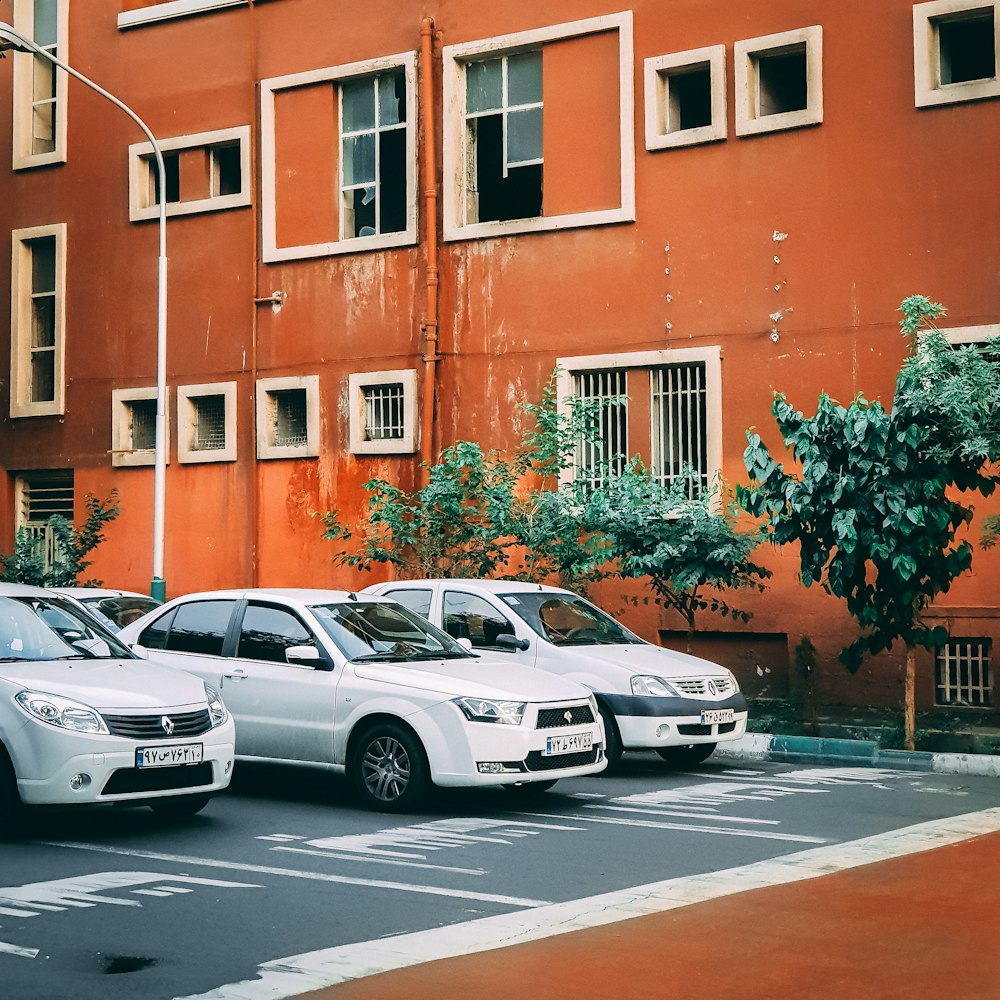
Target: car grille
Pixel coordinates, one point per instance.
(157, 779)
(555, 718)
(699, 686)
(150, 727)
(699, 730)
(536, 762)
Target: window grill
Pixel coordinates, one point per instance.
(963, 675)
(142, 424)
(209, 422)
(384, 412)
(679, 415)
(289, 417)
(40, 498)
(607, 453)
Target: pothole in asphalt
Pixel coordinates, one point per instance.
(114, 965)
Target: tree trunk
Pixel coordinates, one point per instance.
(909, 688)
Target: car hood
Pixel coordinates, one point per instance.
(644, 658)
(108, 684)
(482, 677)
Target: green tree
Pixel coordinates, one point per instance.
(875, 505)
(72, 546)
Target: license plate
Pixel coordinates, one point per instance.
(171, 756)
(570, 743)
(715, 715)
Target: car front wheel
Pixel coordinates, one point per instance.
(11, 807)
(389, 769)
(613, 741)
(685, 756)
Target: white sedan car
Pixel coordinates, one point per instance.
(651, 698)
(83, 720)
(114, 608)
(362, 686)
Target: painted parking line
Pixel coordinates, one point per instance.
(298, 974)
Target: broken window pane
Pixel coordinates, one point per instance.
(228, 170)
(483, 86)
(524, 79)
(359, 158)
(391, 99)
(358, 103)
(524, 136)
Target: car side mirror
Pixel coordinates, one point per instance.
(307, 656)
(465, 643)
(511, 643)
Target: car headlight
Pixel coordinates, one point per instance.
(216, 708)
(507, 713)
(656, 687)
(62, 712)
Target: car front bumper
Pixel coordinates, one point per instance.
(647, 723)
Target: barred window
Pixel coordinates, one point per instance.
(209, 422)
(289, 417)
(383, 412)
(608, 453)
(142, 424)
(680, 445)
(963, 675)
(206, 422)
(40, 496)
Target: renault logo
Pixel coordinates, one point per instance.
(166, 724)
(712, 689)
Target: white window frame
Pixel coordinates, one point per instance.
(21, 323)
(266, 388)
(23, 84)
(173, 8)
(960, 335)
(455, 145)
(928, 89)
(356, 385)
(142, 174)
(746, 56)
(123, 453)
(186, 423)
(659, 71)
(710, 357)
(270, 251)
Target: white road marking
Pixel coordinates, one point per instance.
(13, 949)
(380, 861)
(183, 859)
(702, 814)
(298, 974)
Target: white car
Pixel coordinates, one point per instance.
(362, 686)
(83, 720)
(651, 698)
(114, 608)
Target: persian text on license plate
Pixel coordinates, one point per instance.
(568, 743)
(169, 756)
(712, 716)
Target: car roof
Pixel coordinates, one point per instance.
(22, 590)
(301, 595)
(487, 586)
(98, 592)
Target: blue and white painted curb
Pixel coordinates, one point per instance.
(862, 753)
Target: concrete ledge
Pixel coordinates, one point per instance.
(858, 753)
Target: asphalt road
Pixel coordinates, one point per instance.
(283, 884)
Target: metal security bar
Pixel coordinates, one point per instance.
(963, 673)
(209, 422)
(384, 412)
(608, 453)
(142, 424)
(289, 415)
(678, 402)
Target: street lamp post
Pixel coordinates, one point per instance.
(11, 39)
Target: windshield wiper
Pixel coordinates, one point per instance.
(408, 657)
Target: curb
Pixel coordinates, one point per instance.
(859, 753)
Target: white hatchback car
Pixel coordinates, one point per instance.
(83, 720)
(362, 686)
(651, 698)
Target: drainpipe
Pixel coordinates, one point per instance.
(429, 327)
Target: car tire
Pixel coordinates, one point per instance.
(685, 756)
(529, 788)
(12, 810)
(389, 770)
(179, 806)
(613, 741)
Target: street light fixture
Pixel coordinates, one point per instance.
(11, 39)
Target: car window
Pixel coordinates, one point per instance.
(120, 611)
(568, 620)
(268, 631)
(418, 601)
(197, 627)
(468, 616)
(37, 628)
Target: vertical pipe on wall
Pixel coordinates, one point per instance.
(429, 327)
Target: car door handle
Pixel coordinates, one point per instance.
(236, 674)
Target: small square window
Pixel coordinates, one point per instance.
(133, 427)
(383, 412)
(686, 98)
(288, 417)
(955, 52)
(962, 674)
(206, 422)
(779, 81)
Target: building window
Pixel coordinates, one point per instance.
(383, 412)
(686, 98)
(38, 497)
(288, 417)
(779, 81)
(38, 282)
(206, 172)
(962, 673)
(133, 427)
(206, 422)
(663, 406)
(516, 157)
(955, 51)
(361, 146)
(39, 87)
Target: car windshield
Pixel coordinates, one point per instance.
(384, 631)
(53, 628)
(567, 620)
